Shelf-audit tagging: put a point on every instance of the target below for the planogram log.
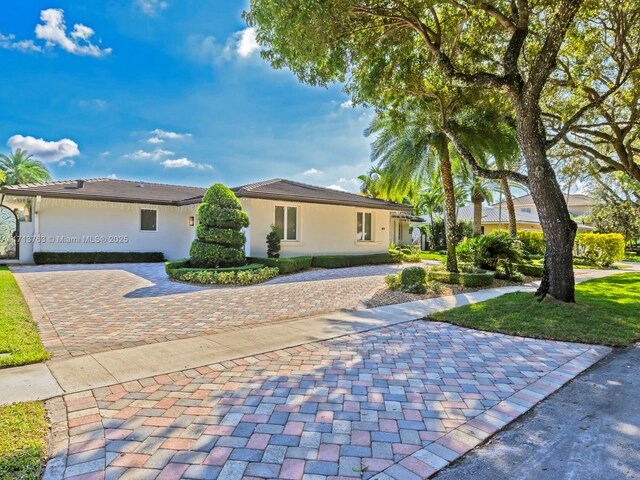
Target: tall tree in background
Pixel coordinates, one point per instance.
(510, 48)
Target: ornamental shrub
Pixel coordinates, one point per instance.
(392, 280)
(532, 241)
(602, 249)
(412, 280)
(286, 265)
(273, 242)
(498, 249)
(220, 239)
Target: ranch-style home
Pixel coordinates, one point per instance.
(109, 215)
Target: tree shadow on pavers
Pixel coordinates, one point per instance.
(336, 274)
(349, 406)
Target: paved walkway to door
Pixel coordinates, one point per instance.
(399, 402)
(84, 309)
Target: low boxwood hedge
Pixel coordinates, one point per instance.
(43, 258)
(244, 275)
(464, 279)
(342, 261)
(530, 269)
(285, 265)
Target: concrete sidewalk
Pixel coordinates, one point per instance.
(56, 377)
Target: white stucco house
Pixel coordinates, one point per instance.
(109, 215)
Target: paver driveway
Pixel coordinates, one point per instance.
(404, 400)
(86, 309)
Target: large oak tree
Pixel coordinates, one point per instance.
(510, 47)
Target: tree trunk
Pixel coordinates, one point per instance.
(513, 227)
(449, 206)
(558, 227)
(477, 214)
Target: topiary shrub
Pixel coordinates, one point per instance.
(532, 242)
(220, 239)
(412, 280)
(273, 242)
(602, 249)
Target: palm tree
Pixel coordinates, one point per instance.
(411, 151)
(20, 167)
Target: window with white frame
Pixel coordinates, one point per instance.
(526, 210)
(364, 227)
(287, 222)
(148, 220)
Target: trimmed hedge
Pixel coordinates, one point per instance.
(412, 280)
(200, 252)
(285, 265)
(532, 241)
(464, 279)
(222, 236)
(44, 258)
(222, 217)
(342, 261)
(601, 249)
(244, 275)
(530, 269)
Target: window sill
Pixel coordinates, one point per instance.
(291, 243)
(364, 243)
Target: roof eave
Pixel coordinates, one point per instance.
(303, 199)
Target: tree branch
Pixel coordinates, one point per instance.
(476, 168)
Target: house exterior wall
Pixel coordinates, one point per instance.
(88, 226)
(323, 229)
(399, 232)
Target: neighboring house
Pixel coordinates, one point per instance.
(123, 216)
(577, 203)
(496, 218)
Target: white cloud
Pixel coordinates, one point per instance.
(48, 152)
(112, 176)
(106, 153)
(352, 181)
(336, 187)
(311, 171)
(67, 163)
(347, 104)
(54, 32)
(155, 140)
(96, 104)
(246, 43)
(9, 42)
(156, 154)
(160, 134)
(185, 163)
(152, 7)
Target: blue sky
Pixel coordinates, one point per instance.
(166, 90)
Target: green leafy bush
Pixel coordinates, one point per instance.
(435, 287)
(285, 265)
(393, 280)
(530, 269)
(244, 275)
(410, 253)
(273, 242)
(219, 239)
(532, 241)
(466, 250)
(43, 258)
(341, 261)
(412, 280)
(466, 279)
(602, 249)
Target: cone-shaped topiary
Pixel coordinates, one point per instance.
(220, 239)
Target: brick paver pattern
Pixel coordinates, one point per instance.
(404, 400)
(102, 307)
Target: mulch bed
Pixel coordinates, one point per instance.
(385, 296)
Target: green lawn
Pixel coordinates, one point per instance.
(424, 255)
(19, 337)
(606, 312)
(23, 431)
(632, 258)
